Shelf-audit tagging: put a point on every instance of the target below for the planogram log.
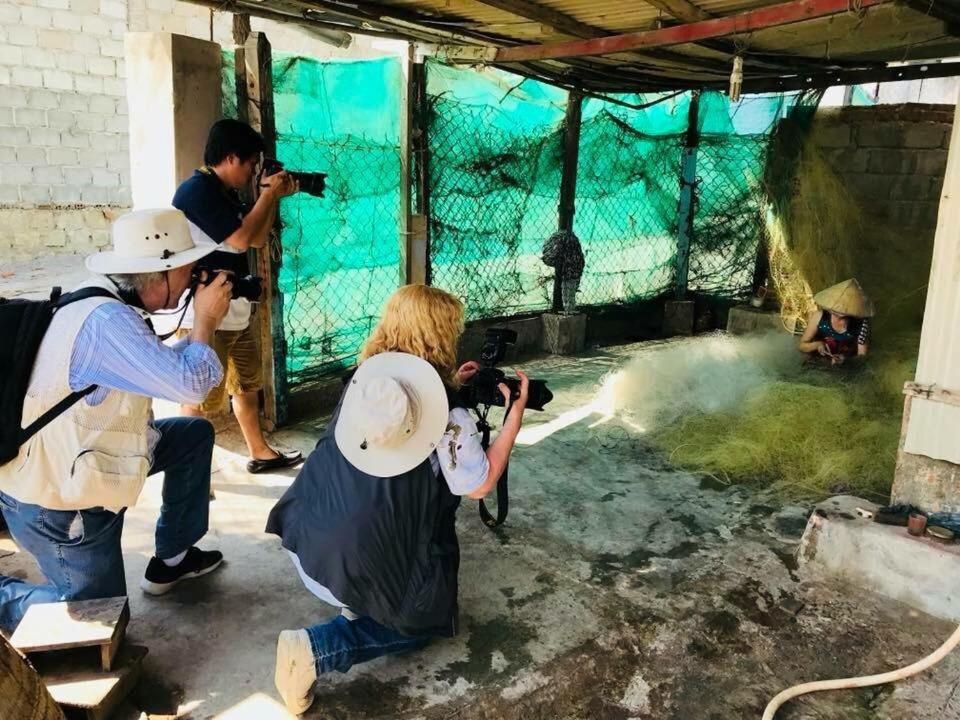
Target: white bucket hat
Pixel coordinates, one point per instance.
(394, 413)
(149, 241)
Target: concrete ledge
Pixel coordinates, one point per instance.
(882, 558)
(678, 317)
(744, 319)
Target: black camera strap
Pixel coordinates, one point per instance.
(503, 492)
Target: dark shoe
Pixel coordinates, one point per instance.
(281, 461)
(160, 577)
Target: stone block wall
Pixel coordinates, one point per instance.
(64, 150)
(892, 158)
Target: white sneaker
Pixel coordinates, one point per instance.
(296, 672)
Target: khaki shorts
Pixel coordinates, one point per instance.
(240, 357)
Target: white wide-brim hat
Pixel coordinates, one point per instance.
(393, 414)
(149, 241)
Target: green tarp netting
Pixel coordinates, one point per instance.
(495, 162)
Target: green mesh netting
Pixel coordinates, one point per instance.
(495, 162)
(341, 253)
(495, 143)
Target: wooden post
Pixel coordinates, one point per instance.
(417, 260)
(22, 692)
(406, 166)
(686, 210)
(568, 179)
(255, 106)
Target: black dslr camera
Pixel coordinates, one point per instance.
(483, 388)
(249, 287)
(310, 183)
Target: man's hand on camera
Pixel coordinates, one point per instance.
(524, 389)
(211, 302)
(279, 184)
(468, 370)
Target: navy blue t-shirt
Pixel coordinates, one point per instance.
(218, 211)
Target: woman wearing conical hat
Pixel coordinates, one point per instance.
(840, 328)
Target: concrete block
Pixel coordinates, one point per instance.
(678, 317)
(882, 558)
(75, 139)
(104, 141)
(9, 15)
(55, 39)
(832, 135)
(117, 124)
(27, 77)
(85, 7)
(912, 187)
(45, 99)
(48, 175)
(162, 6)
(62, 119)
(94, 195)
(881, 134)
(35, 194)
(103, 104)
(119, 163)
(86, 45)
(869, 187)
(38, 57)
(62, 156)
(90, 122)
(88, 84)
(14, 136)
(28, 117)
(6, 117)
(55, 238)
(65, 20)
(848, 160)
(10, 55)
(16, 174)
(4, 75)
(8, 155)
(105, 178)
(112, 86)
(932, 162)
(57, 80)
(103, 66)
(23, 37)
(30, 155)
(9, 194)
(892, 161)
(564, 334)
(92, 158)
(924, 135)
(744, 319)
(36, 17)
(71, 62)
(94, 25)
(12, 97)
(113, 9)
(74, 102)
(111, 48)
(926, 483)
(54, 4)
(77, 176)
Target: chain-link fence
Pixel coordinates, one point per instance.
(495, 161)
(228, 84)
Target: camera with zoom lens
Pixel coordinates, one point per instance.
(310, 182)
(249, 287)
(483, 388)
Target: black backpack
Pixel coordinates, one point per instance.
(23, 324)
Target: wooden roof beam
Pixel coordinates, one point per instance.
(752, 20)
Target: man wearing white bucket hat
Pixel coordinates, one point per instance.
(64, 496)
(370, 521)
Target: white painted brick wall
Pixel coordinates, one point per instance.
(63, 110)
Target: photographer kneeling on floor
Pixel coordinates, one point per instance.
(65, 494)
(211, 201)
(370, 521)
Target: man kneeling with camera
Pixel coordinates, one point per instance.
(370, 521)
(210, 198)
(65, 493)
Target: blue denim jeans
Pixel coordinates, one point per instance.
(340, 644)
(78, 551)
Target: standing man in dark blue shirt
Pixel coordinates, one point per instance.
(210, 199)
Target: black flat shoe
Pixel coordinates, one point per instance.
(161, 578)
(283, 460)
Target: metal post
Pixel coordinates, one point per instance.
(686, 210)
(568, 178)
(255, 105)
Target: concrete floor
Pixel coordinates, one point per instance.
(620, 588)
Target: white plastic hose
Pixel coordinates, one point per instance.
(859, 682)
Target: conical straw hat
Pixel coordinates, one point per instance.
(846, 298)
